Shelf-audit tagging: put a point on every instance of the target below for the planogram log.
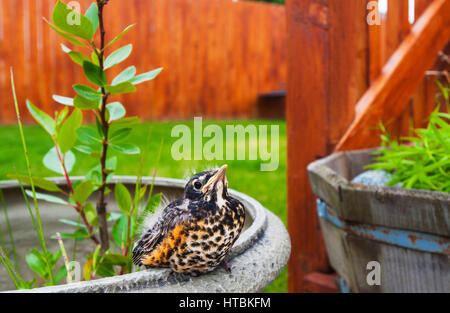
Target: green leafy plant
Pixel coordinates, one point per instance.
(67, 134)
(421, 162)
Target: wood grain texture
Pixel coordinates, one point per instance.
(218, 56)
(327, 63)
(306, 107)
(401, 76)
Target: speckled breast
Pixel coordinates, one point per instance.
(207, 241)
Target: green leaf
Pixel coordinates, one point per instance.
(88, 135)
(119, 36)
(113, 216)
(51, 161)
(125, 87)
(87, 92)
(38, 182)
(72, 223)
(92, 15)
(65, 35)
(84, 149)
(96, 256)
(91, 214)
(145, 76)
(119, 231)
(48, 198)
(94, 73)
(125, 75)
(72, 22)
(54, 257)
(75, 56)
(83, 191)
(78, 57)
(79, 235)
(42, 118)
(117, 259)
(60, 117)
(67, 135)
(60, 274)
(126, 148)
(123, 198)
(36, 264)
(85, 104)
(116, 111)
(63, 100)
(106, 269)
(125, 122)
(120, 134)
(118, 56)
(94, 58)
(94, 176)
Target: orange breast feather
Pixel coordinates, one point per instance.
(174, 239)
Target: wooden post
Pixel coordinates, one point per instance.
(327, 74)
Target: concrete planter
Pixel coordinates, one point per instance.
(256, 259)
(406, 231)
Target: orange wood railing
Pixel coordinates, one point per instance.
(334, 56)
(390, 93)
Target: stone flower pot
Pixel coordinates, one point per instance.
(406, 231)
(256, 259)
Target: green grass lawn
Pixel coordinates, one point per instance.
(269, 188)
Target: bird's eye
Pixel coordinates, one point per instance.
(197, 185)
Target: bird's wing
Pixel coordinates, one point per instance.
(174, 214)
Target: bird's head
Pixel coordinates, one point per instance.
(207, 186)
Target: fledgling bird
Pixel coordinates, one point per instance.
(194, 234)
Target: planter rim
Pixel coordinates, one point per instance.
(248, 238)
(421, 211)
(320, 168)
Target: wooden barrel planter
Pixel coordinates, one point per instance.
(406, 231)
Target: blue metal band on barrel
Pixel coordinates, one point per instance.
(403, 238)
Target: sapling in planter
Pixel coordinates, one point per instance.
(65, 128)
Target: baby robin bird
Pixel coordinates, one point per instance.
(195, 233)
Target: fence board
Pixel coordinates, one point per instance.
(218, 56)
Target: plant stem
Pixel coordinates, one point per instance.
(101, 205)
(78, 207)
(66, 259)
(10, 233)
(63, 166)
(36, 207)
(10, 271)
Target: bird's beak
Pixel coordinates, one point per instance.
(218, 176)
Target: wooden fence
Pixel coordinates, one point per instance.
(218, 56)
(334, 56)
